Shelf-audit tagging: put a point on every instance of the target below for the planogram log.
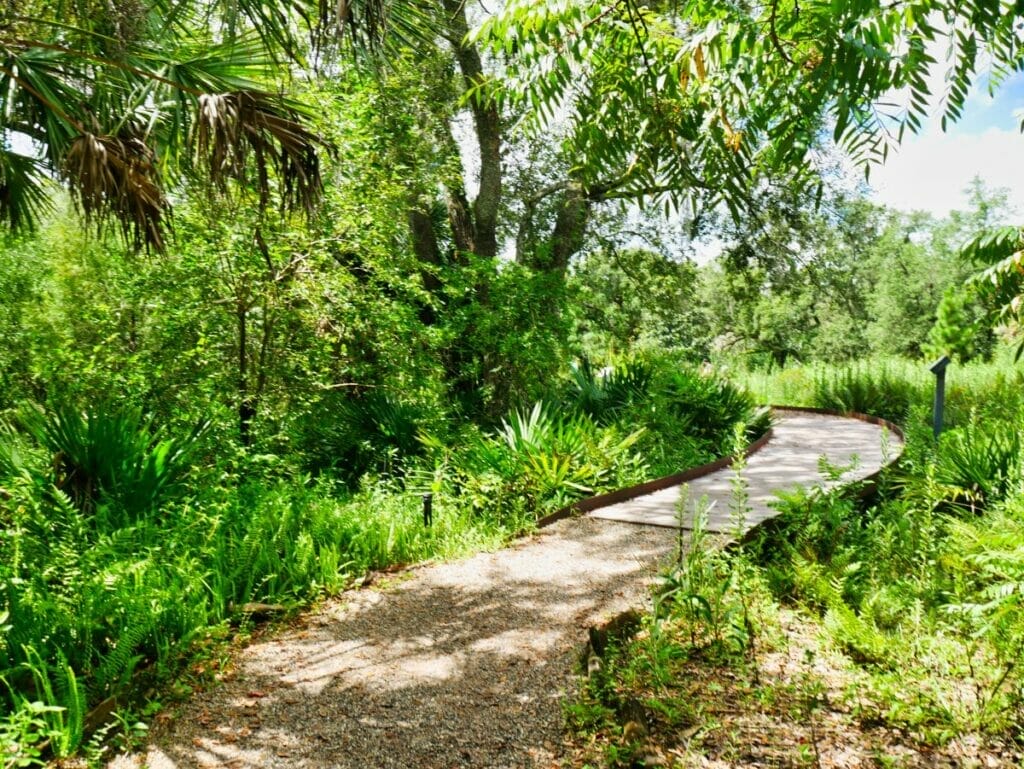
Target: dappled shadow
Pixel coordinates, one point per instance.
(464, 664)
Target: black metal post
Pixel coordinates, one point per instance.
(939, 369)
(428, 509)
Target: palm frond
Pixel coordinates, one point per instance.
(111, 176)
(373, 27)
(23, 197)
(234, 129)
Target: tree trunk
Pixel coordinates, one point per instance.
(487, 125)
(570, 227)
(428, 253)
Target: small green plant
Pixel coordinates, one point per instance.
(351, 435)
(604, 394)
(879, 392)
(107, 454)
(24, 732)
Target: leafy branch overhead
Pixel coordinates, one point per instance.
(121, 101)
(703, 96)
(1001, 254)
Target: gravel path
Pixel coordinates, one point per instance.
(461, 664)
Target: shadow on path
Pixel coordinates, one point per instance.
(463, 664)
(466, 663)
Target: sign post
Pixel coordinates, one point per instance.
(428, 509)
(939, 369)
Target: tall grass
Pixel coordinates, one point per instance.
(893, 387)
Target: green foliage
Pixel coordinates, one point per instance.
(542, 460)
(604, 395)
(923, 585)
(710, 406)
(352, 435)
(747, 87)
(867, 390)
(632, 298)
(979, 463)
(1001, 252)
(23, 732)
(505, 337)
(960, 329)
(109, 454)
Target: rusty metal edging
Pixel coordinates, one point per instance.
(868, 483)
(621, 495)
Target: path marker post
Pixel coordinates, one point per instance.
(939, 369)
(428, 509)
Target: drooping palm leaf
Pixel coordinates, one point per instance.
(234, 129)
(125, 98)
(23, 196)
(110, 176)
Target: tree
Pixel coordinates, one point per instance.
(631, 297)
(121, 101)
(701, 102)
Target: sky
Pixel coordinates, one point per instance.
(931, 169)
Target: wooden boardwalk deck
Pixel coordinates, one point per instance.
(789, 460)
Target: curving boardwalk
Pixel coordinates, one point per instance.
(464, 664)
(791, 459)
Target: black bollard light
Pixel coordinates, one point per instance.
(428, 509)
(939, 369)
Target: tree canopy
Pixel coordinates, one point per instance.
(703, 101)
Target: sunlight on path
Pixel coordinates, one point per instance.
(789, 460)
(465, 663)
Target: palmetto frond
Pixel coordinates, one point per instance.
(23, 194)
(243, 129)
(121, 102)
(114, 176)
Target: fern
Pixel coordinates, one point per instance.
(117, 665)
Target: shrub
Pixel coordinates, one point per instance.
(978, 463)
(542, 459)
(350, 435)
(603, 395)
(108, 460)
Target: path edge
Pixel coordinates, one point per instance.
(629, 492)
(868, 483)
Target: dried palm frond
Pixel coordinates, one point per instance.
(112, 176)
(373, 26)
(246, 132)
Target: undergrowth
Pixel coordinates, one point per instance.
(125, 549)
(917, 588)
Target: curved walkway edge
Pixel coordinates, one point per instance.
(805, 448)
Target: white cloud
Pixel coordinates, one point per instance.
(931, 171)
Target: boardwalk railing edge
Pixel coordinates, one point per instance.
(629, 492)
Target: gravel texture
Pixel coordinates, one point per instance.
(461, 664)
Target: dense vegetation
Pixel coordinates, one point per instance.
(900, 612)
(160, 488)
(273, 271)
